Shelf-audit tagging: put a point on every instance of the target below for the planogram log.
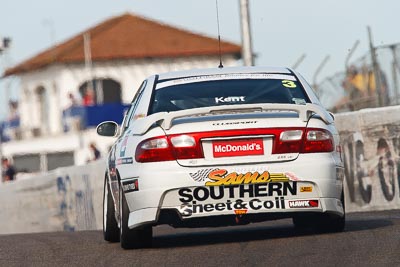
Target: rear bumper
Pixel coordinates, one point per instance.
(187, 195)
(174, 218)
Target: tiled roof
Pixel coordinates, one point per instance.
(128, 37)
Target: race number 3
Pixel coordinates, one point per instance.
(289, 84)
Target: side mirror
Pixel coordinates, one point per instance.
(332, 115)
(107, 128)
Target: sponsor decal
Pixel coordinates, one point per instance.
(307, 189)
(130, 186)
(123, 145)
(203, 193)
(285, 157)
(303, 204)
(289, 84)
(122, 161)
(217, 177)
(222, 147)
(239, 207)
(230, 99)
(339, 151)
(340, 174)
(292, 176)
(139, 116)
(231, 148)
(201, 175)
(299, 101)
(233, 123)
(262, 196)
(228, 76)
(240, 212)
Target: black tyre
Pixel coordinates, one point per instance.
(110, 225)
(331, 222)
(326, 223)
(302, 222)
(132, 238)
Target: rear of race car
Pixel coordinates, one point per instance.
(230, 149)
(237, 172)
(237, 158)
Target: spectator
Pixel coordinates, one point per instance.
(95, 152)
(8, 170)
(72, 100)
(88, 98)
(72, 114)
(352, 85)
(13, 110)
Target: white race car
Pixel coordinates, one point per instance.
(218, 147)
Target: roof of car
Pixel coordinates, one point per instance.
(225, 70)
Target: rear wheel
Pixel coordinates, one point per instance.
(321, 222)
(132, 238)
(110, 225)
(331, 223)
(334, 223)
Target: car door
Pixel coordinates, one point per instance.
(118, 149)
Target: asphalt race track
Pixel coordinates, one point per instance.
(370, 239)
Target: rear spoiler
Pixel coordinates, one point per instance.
(165, 119)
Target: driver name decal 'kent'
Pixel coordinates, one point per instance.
(230, 99)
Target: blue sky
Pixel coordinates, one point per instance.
(282, 30)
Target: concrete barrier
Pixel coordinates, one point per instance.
(67, 199)
(70, 199)
(371, 145)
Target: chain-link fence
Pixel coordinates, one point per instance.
(365, 83)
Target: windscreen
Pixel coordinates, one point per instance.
(216, 90)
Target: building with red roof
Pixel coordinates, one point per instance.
(101, 67)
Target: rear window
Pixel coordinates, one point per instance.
(216, 90)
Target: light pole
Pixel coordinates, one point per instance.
(376, 68)
(247, 46)
(351, 52)
(299, 61)
(320, 67)
(4, 45)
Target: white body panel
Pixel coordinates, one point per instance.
(264, 183)
(159, 186)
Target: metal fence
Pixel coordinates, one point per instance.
(366, 82)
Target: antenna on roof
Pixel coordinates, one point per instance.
(219, 38)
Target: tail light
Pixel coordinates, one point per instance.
(289, 141)
(188, 146)
(154, 149)
(318, 140)
(168, 148)
(309, 140)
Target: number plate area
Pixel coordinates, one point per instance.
(237, 147)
